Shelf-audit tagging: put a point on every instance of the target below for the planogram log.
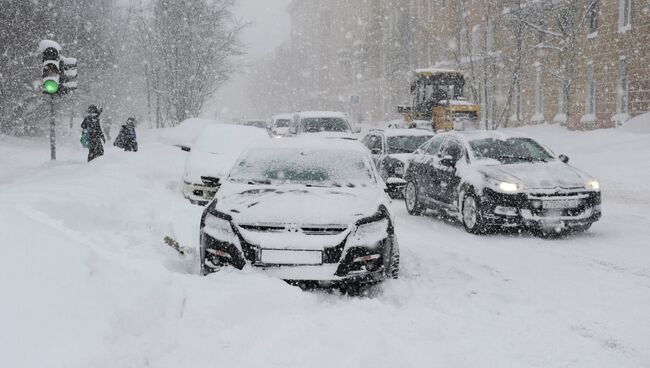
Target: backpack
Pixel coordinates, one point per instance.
(85, 139)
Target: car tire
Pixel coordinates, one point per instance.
(393, 273)
(471, 214)
(413, 205)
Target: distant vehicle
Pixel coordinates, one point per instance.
(309, 211)
(256, 123)
(491, 180)
(280, 125)
(391, 148)
(436, 97)
(324, 123)
(212, 156)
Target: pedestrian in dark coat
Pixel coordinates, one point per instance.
(95, 135)
(127, 137)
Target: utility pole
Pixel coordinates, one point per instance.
(52, 130)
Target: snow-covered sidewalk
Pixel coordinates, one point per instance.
(87, 281)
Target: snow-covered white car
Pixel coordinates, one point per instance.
(212, 156)
(491, 180)
(327, 124)
(310, 211)
(280, 125)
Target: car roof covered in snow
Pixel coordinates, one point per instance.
(285, 116)
(472, 135)
(322, 114)
(309, 142)
(395, 132)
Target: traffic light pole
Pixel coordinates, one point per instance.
(52, 130)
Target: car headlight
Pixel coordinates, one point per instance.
(369, 234)
(592, 184)
(506, 187)
(219, 228)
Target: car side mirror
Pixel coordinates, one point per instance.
(184, 148)
(448, 161)
(376, 151)
(564, 158)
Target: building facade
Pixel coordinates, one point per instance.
(574, 62)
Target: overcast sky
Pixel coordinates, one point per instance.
(269, 27)
(269, 24)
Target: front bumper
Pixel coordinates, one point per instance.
(340, 265)
(198, 193)
(531, 209)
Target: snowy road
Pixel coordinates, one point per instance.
(86, 281)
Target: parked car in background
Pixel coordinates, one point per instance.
(390, 150)
(280, 125)
(323, 123)
(212, 156)
(309, 211)
(491, 180)
(262, 124)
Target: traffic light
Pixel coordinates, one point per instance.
(68, 75)
(51, 70)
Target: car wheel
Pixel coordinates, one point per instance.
(471, 215)
(393, 273)
(413, 205)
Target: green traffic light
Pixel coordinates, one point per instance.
(50, 86)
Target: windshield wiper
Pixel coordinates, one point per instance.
(253, 182)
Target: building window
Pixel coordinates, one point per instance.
(624, 15)
(421, 8)
(590, 104)
(592, 16)
(432, 8)
(622, 89)
(443, 3)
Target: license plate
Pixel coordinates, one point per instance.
(565, 203)
(292, 257)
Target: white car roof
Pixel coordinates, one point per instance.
(322, 114)
(308, 142)
(286, 116)
(403, 132)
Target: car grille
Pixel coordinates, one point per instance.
(307, 229)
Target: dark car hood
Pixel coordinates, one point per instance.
(541, 175)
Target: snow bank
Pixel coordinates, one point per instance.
(185, 133)
(638, 124)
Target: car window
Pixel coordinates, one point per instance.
(375, 142)
(509, 150)
(315, 125)
(405, 144)
(434, 145)
(452, 148)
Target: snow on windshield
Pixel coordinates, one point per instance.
(509, 150)
(405, 144)
(317, 167)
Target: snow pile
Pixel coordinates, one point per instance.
(638, 124)
(185, 133)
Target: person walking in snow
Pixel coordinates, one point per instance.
(127, 137)
(96, 138)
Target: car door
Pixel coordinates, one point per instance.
(414, 169)
(429, 180)
(447, 179)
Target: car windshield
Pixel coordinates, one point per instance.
(406, 143)
(315, 125)
(509, 150)
(281, 123)
(310, 167)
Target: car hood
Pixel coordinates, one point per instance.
(542, 175)
(207, 164)
(266, 204)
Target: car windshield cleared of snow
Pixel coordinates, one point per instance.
(511, 150)
(405, 144)
(315, 125)
(317, 167)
